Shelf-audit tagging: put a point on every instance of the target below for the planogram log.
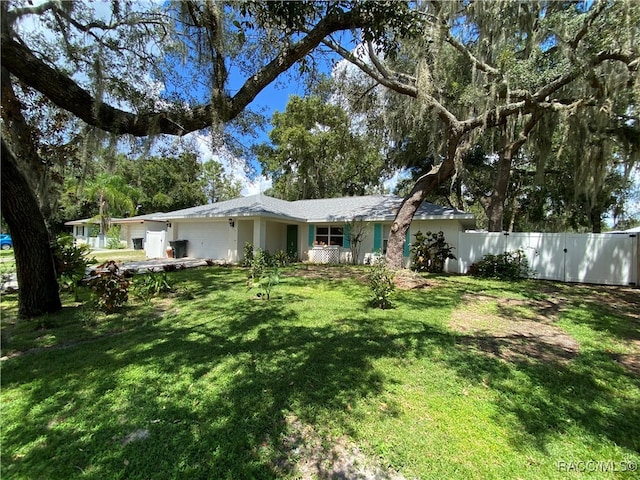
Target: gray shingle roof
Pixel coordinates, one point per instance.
(370, 207)
(250, 206)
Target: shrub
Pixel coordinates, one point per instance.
(113, 238)
(248, 254)
(110, 286)
(71, 262)
(150, 285)
(381, 284)
(269, 279)
(257, 265)
(505, 266)
(280, 259)
(430, 251)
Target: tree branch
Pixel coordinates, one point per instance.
(391, 83)
(65, 93)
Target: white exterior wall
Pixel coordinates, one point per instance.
(245, 234)
(139, 230)
(276, 237)
(451, 230)
(206, 239)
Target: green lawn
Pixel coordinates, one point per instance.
(462, 379)
(8, 264)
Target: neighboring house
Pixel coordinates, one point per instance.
(86, 230)
(312, 230)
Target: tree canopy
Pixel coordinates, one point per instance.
(473, 67)
(316, 152)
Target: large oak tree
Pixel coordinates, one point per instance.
(519, 61)
(102, 67)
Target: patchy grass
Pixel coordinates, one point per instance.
(102, 256)
(220, 385)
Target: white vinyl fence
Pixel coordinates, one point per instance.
(609, 259)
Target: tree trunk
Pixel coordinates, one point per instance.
(402, 222)
(38, 292)
(495, 207)
(596, 220)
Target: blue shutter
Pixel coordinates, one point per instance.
(346, 239)
(312, 234)
(377, 237)
(407, 244)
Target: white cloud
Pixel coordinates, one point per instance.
(232, 165)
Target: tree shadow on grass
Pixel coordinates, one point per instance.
(208, 399)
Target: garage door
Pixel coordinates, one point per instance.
(206, 240)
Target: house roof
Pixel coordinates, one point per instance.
(370, 208)
(251, 206)
(150, 217)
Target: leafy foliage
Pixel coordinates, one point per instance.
(110, 286)
(151, 284)
(316, 154)
(509, 266)
(264, 268)
(113, 238)
(257, 265)
(269, 279)
(248, 254)
(71, 261)
(430, 251)
(113, 196)
(381, 284)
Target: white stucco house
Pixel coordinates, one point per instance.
(131, 228)
(312, 230)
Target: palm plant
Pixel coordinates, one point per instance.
(114, 197)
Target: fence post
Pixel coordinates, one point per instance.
(637, 277)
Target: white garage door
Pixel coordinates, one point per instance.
(206, 240)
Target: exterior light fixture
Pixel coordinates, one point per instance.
(232, 223)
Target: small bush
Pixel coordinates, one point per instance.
(149, 285)
(505, 266)
(111, 287)
(71, 262)
(430, 251)
(258, 265)
(248, 254)
(280, 259)
(113, 238)
(381, 284)
(270, 278)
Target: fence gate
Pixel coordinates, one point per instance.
(610, 259)
(154, 244)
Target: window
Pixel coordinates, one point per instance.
(330, 235)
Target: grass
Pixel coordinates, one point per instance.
(102, 256)
(202, 387)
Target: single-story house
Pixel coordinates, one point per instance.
(133, 230)
(311, 230)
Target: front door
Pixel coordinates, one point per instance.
(292, 240)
